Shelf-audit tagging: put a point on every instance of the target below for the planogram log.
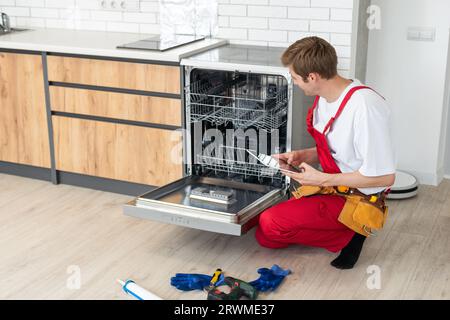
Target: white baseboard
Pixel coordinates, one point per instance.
(440, 175)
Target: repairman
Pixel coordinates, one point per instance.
(350, 125)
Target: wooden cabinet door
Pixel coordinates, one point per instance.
(117, 151)
(23, 119)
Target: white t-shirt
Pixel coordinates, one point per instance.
(359, 139)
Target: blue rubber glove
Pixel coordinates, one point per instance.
(193, 281)
(269, 279)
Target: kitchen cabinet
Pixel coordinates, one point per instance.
(117, 151)
(116, 119)
(23, 119)
(110, 119)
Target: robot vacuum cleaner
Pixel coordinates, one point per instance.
(405, 186)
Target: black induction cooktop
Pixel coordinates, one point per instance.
(158, 43)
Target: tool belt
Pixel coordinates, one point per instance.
(364, 214)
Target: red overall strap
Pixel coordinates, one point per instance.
(323, 150)
(342, 106)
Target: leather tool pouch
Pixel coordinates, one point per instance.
(358, 214)
(362, 216)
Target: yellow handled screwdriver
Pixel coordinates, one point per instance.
(215, 277)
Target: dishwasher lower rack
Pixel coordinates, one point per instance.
(236, 167)
(172, 204)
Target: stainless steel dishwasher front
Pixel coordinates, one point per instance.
(236, 98)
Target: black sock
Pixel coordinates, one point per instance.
(350, 254)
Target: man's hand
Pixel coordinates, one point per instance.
(309, 176)
(295, 158)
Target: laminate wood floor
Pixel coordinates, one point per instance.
(49, 234)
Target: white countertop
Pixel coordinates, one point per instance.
(98, 43)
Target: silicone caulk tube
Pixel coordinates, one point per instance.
(131, 288)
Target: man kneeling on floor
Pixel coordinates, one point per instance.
(350, 125)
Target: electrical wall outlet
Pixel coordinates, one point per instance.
(421, 34)
(120, 5)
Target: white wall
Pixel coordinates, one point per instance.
(360, 40)
(282, 22)
(82, 15)
(411, 75)
(446, 126)
(259, 22)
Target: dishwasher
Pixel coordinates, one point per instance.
(236, 98)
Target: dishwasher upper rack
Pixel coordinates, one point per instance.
(260, 102)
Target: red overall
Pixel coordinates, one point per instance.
(311, 221)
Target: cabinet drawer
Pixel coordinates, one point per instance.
(115, 74)
(116, 105)
(117, 151)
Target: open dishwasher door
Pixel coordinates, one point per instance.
(230, 107)
(175, 204)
